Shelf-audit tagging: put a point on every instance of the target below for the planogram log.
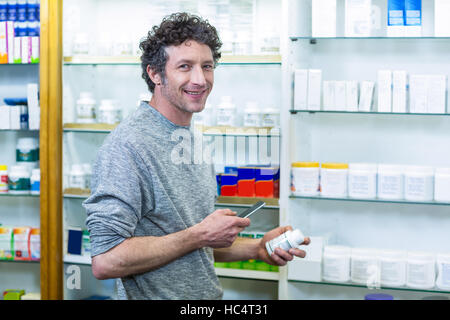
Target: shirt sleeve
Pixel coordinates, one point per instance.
(121, 194)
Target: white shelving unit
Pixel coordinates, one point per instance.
(409, 139)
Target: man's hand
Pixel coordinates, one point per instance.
(279, 257)
(220, 228)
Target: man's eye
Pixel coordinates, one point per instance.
(208, 67)
(184, 66)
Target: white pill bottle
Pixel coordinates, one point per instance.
(289, 239)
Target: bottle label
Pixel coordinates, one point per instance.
(25, 155)
(36, 186)
(20, 184)
(4, 183)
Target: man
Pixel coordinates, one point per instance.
(152, 222)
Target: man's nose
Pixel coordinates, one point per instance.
(198, 76)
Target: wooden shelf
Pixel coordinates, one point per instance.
(247, 201)
(89, 127)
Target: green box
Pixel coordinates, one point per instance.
(13, 294)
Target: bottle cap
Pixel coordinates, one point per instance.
(3, 168)
(297, 237)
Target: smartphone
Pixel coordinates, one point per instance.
(247, 213)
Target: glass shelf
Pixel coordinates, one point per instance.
(372, 200)
(21, 261)
(247, 274)
(89, 127)
(243, 202)
(7, 194)
(355, 285)
(135, 60)
(295, 38)
(292, 111)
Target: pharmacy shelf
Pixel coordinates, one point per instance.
(436, 203)
(242, 202)
(370, 112)
(247, 274)
(7, 194)
(18, 130)
(77, 259)
(239, 131)
(295, 38)
(89, 127)
(221, 272)
(20, 261)
(355, 285)
(135, 60)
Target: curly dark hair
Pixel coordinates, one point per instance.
(174, 30)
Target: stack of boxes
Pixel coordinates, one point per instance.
(19, 31)
(19, 243)
(249, 181)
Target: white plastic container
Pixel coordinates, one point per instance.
(81, 44)
(365, 266)
(87, 169)
(252, 115)
(393, 268)
(362, 180)
(336, 263)
(442, 185)
(3, 179)
(77, 177)
(270, 117)
(226, 112)
(86, 108)
(289, 239)
(35, 181)
(390, 182)
(419, 183)
(421, 270)
(443, 266)
(109, 112)
(333, 180)
(305, 178)
(19, 180)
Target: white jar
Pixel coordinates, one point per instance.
(19, 180)
(419, 183)
(87, 169)
(305, 178)
(27, 153)
(252, 115)
(362, 180)
(226, 112)
(77, 178)
(86, 108)
(443, 266)
(333, 180)
(365, 267)
(270, 117)
(442, 185)
(35, 181)
(420, 270)
(3, 179)
(288, 240)
(393, 268)
(390, 182)
(336, 263)
(109, 112)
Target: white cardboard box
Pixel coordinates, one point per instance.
(14, 117)
(301, 89)
(358, 18)
(366, 96)
(384, 91)
(340, 97)
(418, 93)
(399, 80)
(441, 18)
(310, 267)
(328, 95)
(324, 18)
(314, 89)
(4, 117)
(352, 95)
(437, 93)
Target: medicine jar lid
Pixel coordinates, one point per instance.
(305, 164)
(334, 165)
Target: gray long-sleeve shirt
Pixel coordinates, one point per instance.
(140, 188)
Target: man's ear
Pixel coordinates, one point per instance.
(154, 76)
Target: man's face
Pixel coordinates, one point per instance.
(189, 76)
